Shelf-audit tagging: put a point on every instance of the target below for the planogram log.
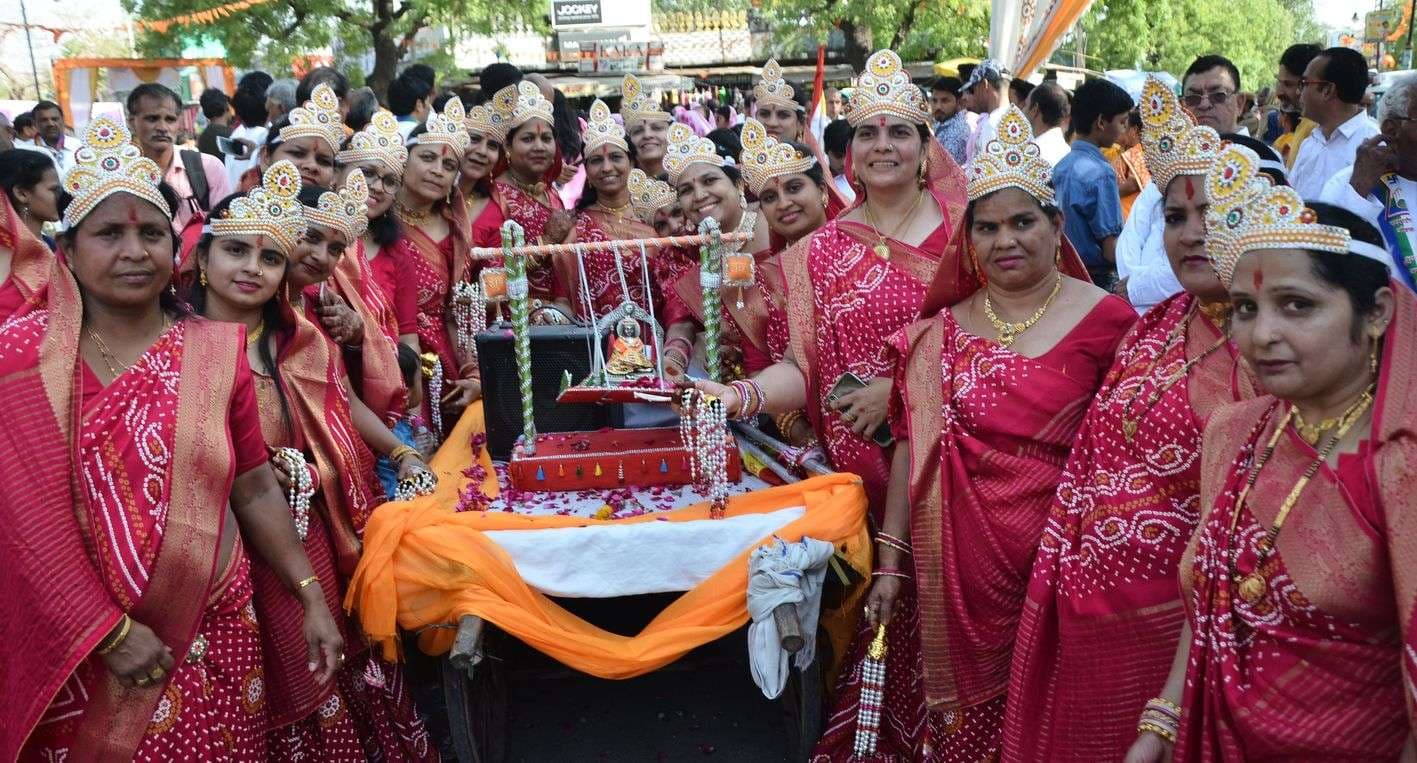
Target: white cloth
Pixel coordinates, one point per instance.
(986, 129)
(634, 558)
(848, 194)
(1321, 157)
(1339, 192)
(63, 157)
(235, 168)
(1141, 252)
(783, 573)
(407, 125)
(1053, 145)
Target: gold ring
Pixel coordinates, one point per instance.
(156, 674)
(144, 681)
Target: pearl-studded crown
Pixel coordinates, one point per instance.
(772, 89)
(524, 102)
(380, 141)
(318, 118)
(602, 129)
(1012, 160)
(447, 129)
(648, 195)
(885, 88)
(765, 158)
(1248, 212)
(109, 163)
(636, 106)
(686, 148)
(489, 120)
(1170, 139)
(344, 210)
(269, 209)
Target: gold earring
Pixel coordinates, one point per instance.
(1058, 256)
(1373, 354)
(202, 277)
(920, 175)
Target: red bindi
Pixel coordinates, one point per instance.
(881, 121)
(1190, 188)
(1259, 278)
(132, 213)
(260, 242)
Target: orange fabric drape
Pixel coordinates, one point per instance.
(425, 565)
(1037, 50)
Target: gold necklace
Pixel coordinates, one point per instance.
(535, 190)
(115, 366)
(1253, 586)
(1008, 331)
(882, 249)
(256, 334)
(1129, 422)
(1313, 432)
(414, 217)
(618, 212)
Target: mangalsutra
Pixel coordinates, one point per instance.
(115, 366)
(882, 249)
(1129, 422)
(1009, 331)
(414, 217)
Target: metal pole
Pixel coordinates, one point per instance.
(34, 70)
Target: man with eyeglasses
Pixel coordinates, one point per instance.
(1287, 84)
(1381, 186)
(1210, 91)
(1331, 94)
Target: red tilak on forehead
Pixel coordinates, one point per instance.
(260, 242)
(1190, 188)
(132, 213)
(881, 121)
(444, 149)
(1259, 278)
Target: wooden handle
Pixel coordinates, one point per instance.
(789, 630)
(467, 646)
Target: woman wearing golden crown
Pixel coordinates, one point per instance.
(247, 268)
(1103, 589)
(308, 137)
(487, 126)
(646, 125)
(138, 429)
(990, 387)
(1299, 587)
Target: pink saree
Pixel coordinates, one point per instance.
(435, 266)
(374, 370)
(1103, 612)
(30, 261)
(602, 274)
(1320, 667)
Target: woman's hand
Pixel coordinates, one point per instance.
(465, 392)
(412, 464)
(880, 600)
(864, 410)
(1149, 748)
(729, 396)
(559, 227)
(140, 659)
(340, 320)
(283, 477)
(324, 646)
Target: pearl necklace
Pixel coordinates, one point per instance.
(703, 429)
(292, 462)
(1009, 331)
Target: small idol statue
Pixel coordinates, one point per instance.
(628, 354)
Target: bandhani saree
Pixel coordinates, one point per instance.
(532, 214)
(374, 370)
(434, 266)
(30, 261)
(755, 335)
(1103, 612)
(147, 473)
(988, 431)
(1318, 666)
(602, 272)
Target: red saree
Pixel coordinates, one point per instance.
(147, 476)
(1103, 612)
(756, 335)
(376, 374)
(30, 261)
(434, 266)
(1320, 667)
(601, 273)
(532, 214)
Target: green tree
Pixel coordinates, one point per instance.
(917, 29)
(283, 29)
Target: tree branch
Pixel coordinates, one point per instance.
(906, 23)
(419, 21)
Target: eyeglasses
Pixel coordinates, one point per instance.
(1303, 83)
(1216, 98)
(389, 182)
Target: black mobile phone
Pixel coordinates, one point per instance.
(233, 148)
(850, 382)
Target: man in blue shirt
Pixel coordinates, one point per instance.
(1086, 185)
(951, 123)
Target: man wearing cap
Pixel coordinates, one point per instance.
(985, 88)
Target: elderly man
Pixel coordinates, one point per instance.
(1381, 185)
(1048, 109)
(1332, 96)
(280, 99)
(199, 179)
(1211, 92)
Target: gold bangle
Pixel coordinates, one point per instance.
(307, 582)
(401, 452)
(110, 643)
(785, 421)
(1167, 734)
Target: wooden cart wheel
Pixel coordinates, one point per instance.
(475, 687)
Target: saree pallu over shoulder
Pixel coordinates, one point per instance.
(380, 381)
(30, 265)
(753, 323)
(1318, 667)
(602, 275)
(532, 215)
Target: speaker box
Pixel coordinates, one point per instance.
(554, 351)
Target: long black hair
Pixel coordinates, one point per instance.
(589, 197)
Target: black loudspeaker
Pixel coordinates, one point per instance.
(554, 351)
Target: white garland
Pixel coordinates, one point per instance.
(292, 462)
(704, 431)
(422, 482)
(469, 318)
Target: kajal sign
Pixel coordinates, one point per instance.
(574, 12)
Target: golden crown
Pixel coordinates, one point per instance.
(648, 195)
(772, 89)
(488, 120)
(765, 158)
(1170, 139)
(524, 102)
(343, 210)
(1249, 212)
(380, 141)
(602, 129)
(447, 129)
(636, 106)
(318, 118)
(108, 163)
(686, 148)
(1012, 160)
(269, 209)
(885, 88)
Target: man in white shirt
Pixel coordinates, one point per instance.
(1047, 110)
(1381, 186)
(985, 88)
(1332, 96)
(51, 140)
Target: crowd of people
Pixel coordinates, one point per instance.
(1089, 355)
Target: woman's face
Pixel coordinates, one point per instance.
(793, 205)
(121, 253)
(532, 149)
(43, 201)
(669, 220)
(780, 122)
(650, 139)
(430, 172)
(705, 191)
(1297, 331)
(1183, 212)
(886, 152)
(315, 257)
(1015, 241)
(483, 151)
(242, 271)
(607, 169)
(312, 156)
(383, 186)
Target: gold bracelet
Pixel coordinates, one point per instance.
(785, 421)
(399, 453)
(1167, 734)
(110, 643)
(307, 582)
